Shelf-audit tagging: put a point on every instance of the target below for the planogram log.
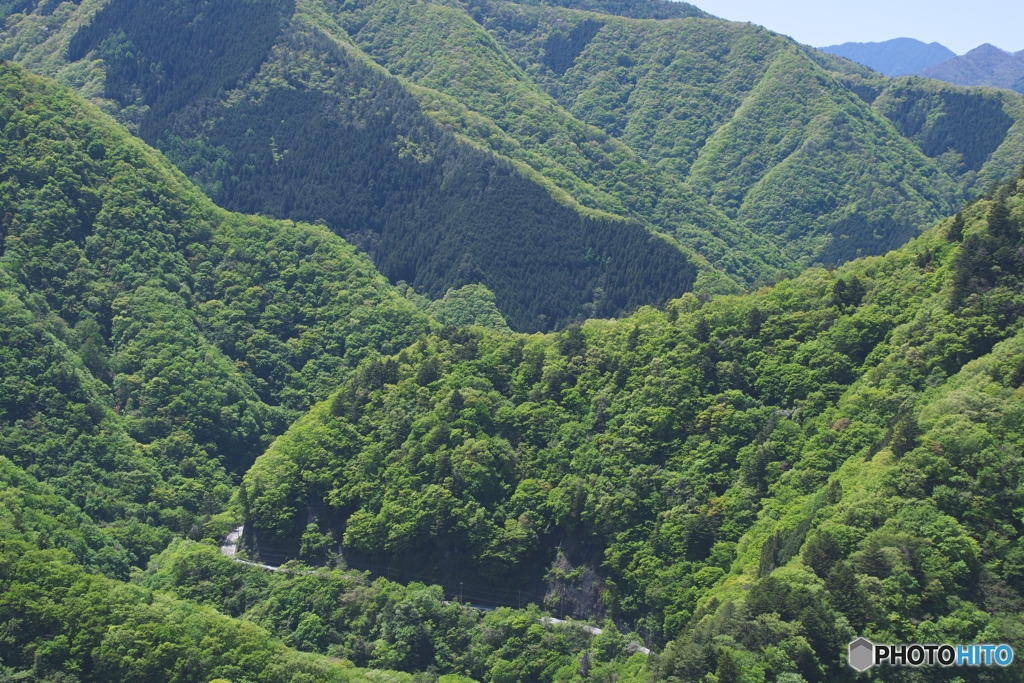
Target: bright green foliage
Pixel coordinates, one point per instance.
(61, 622)
(385, 625)
(919, 544)
(781, 139)
(33, 513)
(748, 481)
(150, 340)
(143, 332)
(470, 305)
(790, 440)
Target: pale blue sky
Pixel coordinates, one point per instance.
(960, 25)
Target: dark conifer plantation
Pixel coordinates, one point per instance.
(430, 210)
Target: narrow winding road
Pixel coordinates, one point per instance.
(230, 548)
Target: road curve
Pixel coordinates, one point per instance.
(230, 548)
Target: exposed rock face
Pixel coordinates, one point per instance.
(575, 591)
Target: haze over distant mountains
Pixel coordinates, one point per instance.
(984, 65)
(896, 57)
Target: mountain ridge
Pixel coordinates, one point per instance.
(984, 65)
(748, 480)
(627, 163)
(147, 334)
(895, 57)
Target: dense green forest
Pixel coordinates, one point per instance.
(743, 475)
(169, 56)
(637, 9)
(152, 344)
(751, 480)
(65, 618)
(386, 625)
(773, 134)
(194, 615)
(534, 147)
(297, 137)
(777, 137)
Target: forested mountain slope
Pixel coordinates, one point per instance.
(533, 147)
(637, 9)
(781, 138)
(754, 480)
(197, 616)
(66, 616)
(151, 344)
(467, 81)
(749, 481)
(293, 123)
(154, 342)
(140, 363)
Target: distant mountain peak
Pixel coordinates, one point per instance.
(984, 65)
(896, 57)
(987, 49)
